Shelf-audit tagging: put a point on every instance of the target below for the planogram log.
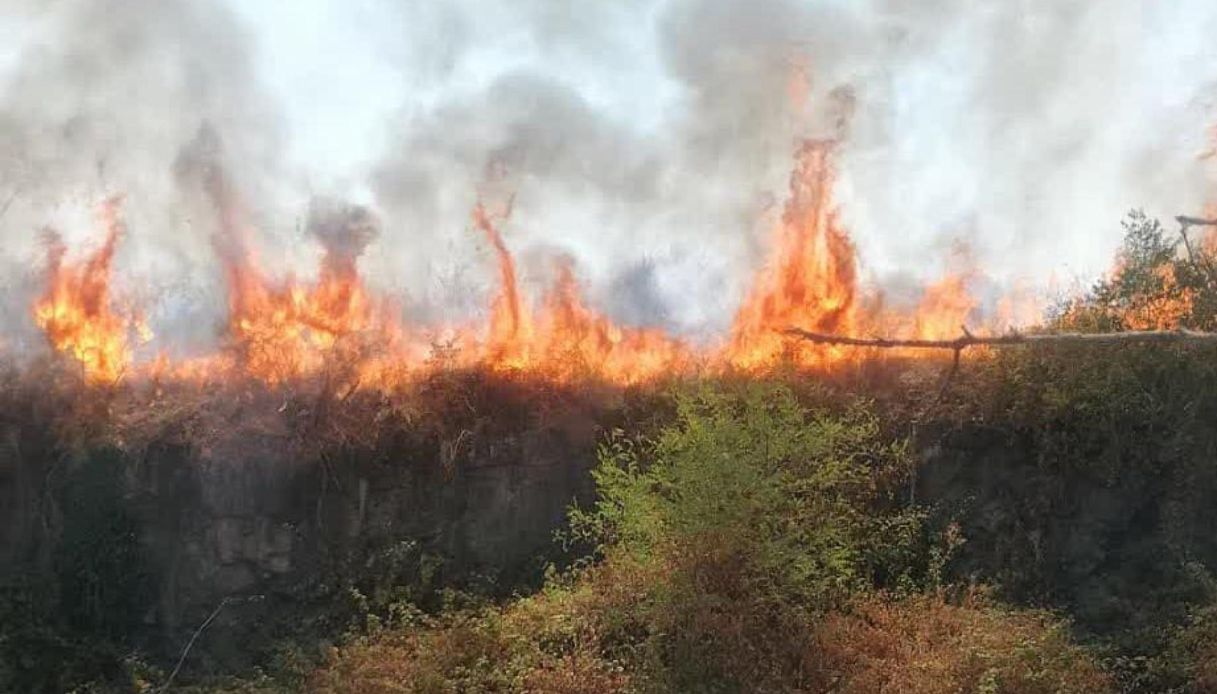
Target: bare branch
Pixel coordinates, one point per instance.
(968, 340)
(1185, 221)
(1207, 265)
(190, 644)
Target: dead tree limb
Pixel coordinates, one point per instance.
(1207, 264)
(1014, 338)
(190, 644)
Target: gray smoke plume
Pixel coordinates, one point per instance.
(100, 98)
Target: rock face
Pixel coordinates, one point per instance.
(255, 520)
(1119, 535)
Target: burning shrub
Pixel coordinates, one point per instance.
(1155, 285)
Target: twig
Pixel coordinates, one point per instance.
(190, 644)
(1013, 338)
(8, 202)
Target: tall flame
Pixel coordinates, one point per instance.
(75, 312)
(566, 338)
(810, 282)
(947, 303)
(511, 333)
(283, 330)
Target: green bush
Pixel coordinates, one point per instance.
(739, 549)
(803, 499)
(758, 516)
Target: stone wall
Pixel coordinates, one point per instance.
(253, 519)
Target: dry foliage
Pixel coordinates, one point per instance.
(926, 645)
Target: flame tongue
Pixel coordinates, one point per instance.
(566, 338)
(75, 314)
(293, 329)
(511, 333)
(810, 282)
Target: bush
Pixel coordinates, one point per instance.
(760, 516)
(739, 550)
(1083, 479)
(1158, 284)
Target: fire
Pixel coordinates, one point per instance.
(1164, 310)
(809, 283)
(947, 304)
(278, 331)
(566, 337)
(511, 331)
(75, 313)
(291, 329)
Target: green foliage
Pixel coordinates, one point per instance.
(800, 495)
(1083, 478)
(756, 515)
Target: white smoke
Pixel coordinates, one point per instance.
(660, 133)
(100, 99)
(648, 140)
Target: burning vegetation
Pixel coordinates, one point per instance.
(279, 330)
(75, 311)
(827, 558)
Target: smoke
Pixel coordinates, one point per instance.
(683, 174)
(1026, 128)
(99, 99)
(344, 230)
(648, 141)
(662, 133)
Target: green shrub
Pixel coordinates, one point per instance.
(804, 499)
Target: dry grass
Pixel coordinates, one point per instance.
(612, 630)
(925, 645)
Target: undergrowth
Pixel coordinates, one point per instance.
(752, 545)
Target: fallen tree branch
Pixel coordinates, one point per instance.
(1013, 338)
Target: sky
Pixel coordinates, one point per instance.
(650, 141)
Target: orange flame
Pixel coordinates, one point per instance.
(279, 331)
(947, 304)
(809, 283)
(74, 312)
(290, 330)
(1164, 310)
(511, 333)
(567, 337)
